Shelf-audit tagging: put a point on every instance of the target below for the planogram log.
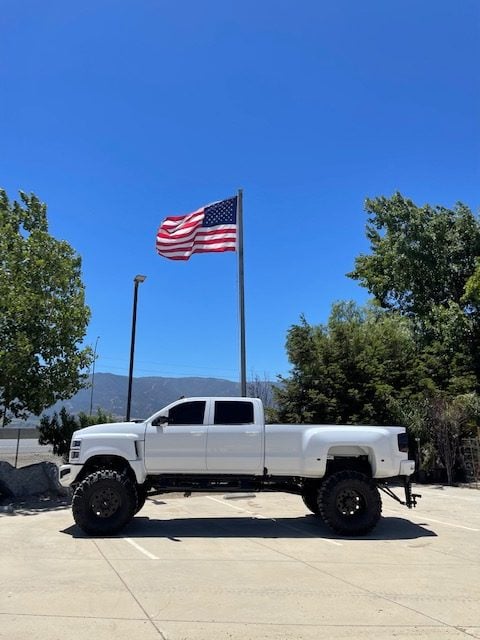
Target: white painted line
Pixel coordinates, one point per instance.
(428, 519)
(258, 516)
(262, 517)
(141, 549)
(227, 504)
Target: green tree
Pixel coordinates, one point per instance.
(439, 422)
(349, 370)
(424, 265)
(57, 430)
(472, 290)
(413, 355)
(421, 257)
(43, 315)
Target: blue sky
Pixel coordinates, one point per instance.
(118, 114)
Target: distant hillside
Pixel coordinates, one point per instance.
(148, 394)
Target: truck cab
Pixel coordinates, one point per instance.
(206, 435)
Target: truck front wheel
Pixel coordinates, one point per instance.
(350, 503)
(141, 497)
(104, 502)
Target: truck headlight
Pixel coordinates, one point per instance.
(75, 449)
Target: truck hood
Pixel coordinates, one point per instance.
(113, 428)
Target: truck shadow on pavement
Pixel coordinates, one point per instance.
(389, 528)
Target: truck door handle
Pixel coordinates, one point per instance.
(252, 433)
(196, 433)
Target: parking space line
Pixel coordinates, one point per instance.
(141, 549)
(258, 516)
(427, 518)
(288, 526)
(227, 504)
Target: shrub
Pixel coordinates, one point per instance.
(57, 430)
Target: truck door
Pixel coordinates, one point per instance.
(235, 439)
(179, 445)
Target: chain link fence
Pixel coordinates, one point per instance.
(471, 458)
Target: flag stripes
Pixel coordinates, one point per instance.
(210, 229)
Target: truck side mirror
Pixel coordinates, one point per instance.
(160, 420)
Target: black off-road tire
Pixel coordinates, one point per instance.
(350, 503)
(104, 502)
(141, 496)
(310, 500)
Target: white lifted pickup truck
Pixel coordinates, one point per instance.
(223, 445)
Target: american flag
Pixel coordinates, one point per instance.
(211, 228)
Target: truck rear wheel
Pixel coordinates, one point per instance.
(104, 502)
(350, 503)
(310, 500)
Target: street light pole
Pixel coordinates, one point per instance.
(93, 374)
(136, 281)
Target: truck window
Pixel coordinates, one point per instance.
(233, 412)
(187, 413)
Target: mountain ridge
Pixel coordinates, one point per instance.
(149, 393)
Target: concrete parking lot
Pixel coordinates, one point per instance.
(244, 568)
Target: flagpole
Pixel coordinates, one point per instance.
(241, 295)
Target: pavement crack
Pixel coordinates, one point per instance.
(147, 617)
(367, 591)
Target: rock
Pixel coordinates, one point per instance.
(8, 508)
(33, 480)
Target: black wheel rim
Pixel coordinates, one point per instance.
(350, 503)
(105, 502)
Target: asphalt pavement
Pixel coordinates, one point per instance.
(244, 568)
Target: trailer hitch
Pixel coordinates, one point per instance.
(410, 498)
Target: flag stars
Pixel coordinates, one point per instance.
(224, 212)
